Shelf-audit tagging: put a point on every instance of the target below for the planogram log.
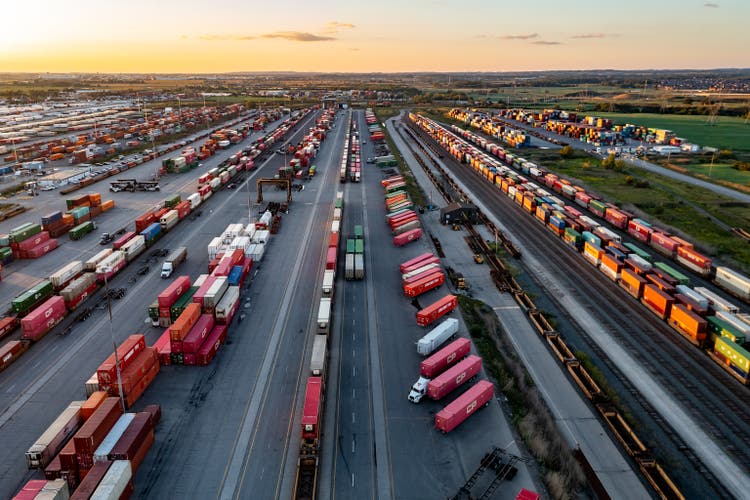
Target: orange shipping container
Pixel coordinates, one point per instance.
(185, 322)
(656, 300)
(688, 323)
(92, 403)
(632, 283)
(611, 267)
(68, 219)
(56, 156)
(95, 199)
(107, 204)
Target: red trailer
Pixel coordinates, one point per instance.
(126, 353)
(41, 320)
(407, 237)
(7, 325)
(425, 262)
(211, 345)
(464, 406)
(331, 258)
(416, 260)
(454, 377)
(195, 337)
(436, 310)
(94, 430)
(434, 280)
(10, 351)
(138, 434)
(312, 410)
(445, 357)
(422, 275)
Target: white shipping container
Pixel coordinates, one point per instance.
(736, 322)
(643, 263)
(249, 230)
(92, 385)
(66, 273)
(240, 243)
(227, 302)
(56, 489)
(336, 214)
(335, 226)
(168, 217)
(114, 435)
(437, 336)
(96, 259)
(324, 313)
(716, 301)
(266, 218)
(195, 200)
(114, 259)
(114, 482)
(200, 280)
(256, 252)
(133, 246)
(52, 440)
(214, 183)
(328, 277)
(215, 291)
(215, 247)
(262, 236)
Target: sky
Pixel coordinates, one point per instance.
(198, 36)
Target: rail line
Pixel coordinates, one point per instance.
(504, 281)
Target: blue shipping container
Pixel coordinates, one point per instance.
(234, 276)
(642, 222)
(53, 217)
(151, 231)
(558, 223)
(615, 253)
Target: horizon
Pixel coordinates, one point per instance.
(426, 36)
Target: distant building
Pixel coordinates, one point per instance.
(455, 213)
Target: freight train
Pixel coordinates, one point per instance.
(660, 240)
(305, 486)
(687, 310)
(42, 307)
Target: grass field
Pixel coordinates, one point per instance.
(686, 208)
(727, 133)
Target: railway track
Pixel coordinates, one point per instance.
(703, 389)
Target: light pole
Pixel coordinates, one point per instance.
(108, 270)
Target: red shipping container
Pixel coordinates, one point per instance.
(175, 346)
(132, 375)
(210, 346)
(144, 221)
(200, 294)
(126, 352)
(453, 377)
(155, 412)
(333, 240)
(464, 406)
(163, 348)
(89, 484)
(694, 260)
(407, 237)
(146, 444)
(331, 258)
(42, 319)
(247, 265)
(422, 275)
(193, 340)
(425, 262)
(119, 242)
(94, 430)
(132, 439)
(445, 357)
(7, 325)
(616, 218)
(34, 241)
(223, 267)
(30, 489)
(137, 391)
(185, 321)
(663, 243)
(403, 268)
(67, 458)
(189, 359)
(42, 249)
(426, 284)
(183, 209)
(436, 310)
(75, 302)
(174, 291)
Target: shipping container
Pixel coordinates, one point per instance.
(52, 440)
(32, 297)
(688, 324)
(412, 262)
(445, 357)
(407, 237)
(115, 483)
(430, 282)
(436, 310)
(464, 406)
(43, 318)
(102, 451)
(94, 430)
(312, 410)
(454, 377)
(127, 352)
(319, 359)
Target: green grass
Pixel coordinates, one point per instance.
(676, 204)
(728, 132)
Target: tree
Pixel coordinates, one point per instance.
(609, 162)
(567, 152)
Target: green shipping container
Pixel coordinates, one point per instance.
(24, 232)
(32, 297)
(724, 329)
(735, 353)
(339, 203)
(171, 202)
(5, 252)
(4, 240)
(359, 246)
(598, 205)
(572, 235)
(349, 246)
(182, 302)
(81, 230)
(358, 233)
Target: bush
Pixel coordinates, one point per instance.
(609, 162)
(567, 152)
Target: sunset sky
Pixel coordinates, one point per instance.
(384, 35)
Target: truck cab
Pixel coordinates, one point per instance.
(418, 390)
(166, 270)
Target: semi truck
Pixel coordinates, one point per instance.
(175, 258)
(324, 315)
(447, 381)
(328, 278)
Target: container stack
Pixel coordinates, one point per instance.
(29, 241)
(139, 365)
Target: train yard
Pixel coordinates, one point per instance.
(625, 320)
(314, 378)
